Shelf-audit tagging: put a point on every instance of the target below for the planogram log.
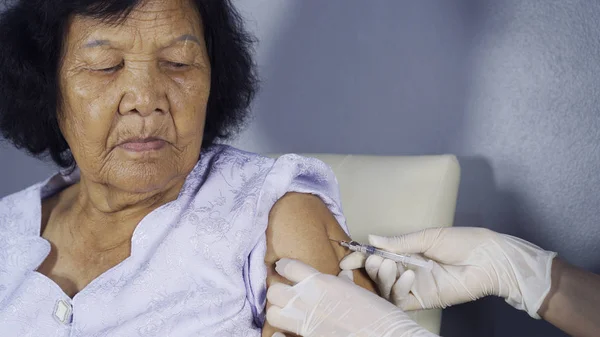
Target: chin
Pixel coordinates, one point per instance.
(146, 178)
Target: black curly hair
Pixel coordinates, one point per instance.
(31, 40)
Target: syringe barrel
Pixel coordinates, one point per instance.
(405, 259)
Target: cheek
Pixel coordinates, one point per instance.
(88, 111)
(189, 110)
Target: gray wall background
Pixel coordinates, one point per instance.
(509, 86)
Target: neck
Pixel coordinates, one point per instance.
(105, 217)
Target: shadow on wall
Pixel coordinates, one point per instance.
(358, 77)
(481, 203)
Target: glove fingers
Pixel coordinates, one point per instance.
(401, 269)
(410, 303)
(372, 265)
(354, 260)
(347, 275)
(386, 276)
(401, 288)
(278, 318)
(280, 294)
(294, 270)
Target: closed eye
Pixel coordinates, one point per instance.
(176, 65)
(110, 70)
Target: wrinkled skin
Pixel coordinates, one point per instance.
(148, 76)
(145, 76)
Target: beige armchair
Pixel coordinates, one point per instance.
(391, 195)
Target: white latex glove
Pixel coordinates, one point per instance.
(333, 306)
(469, 263)
(393, 280)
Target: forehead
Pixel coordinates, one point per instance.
(150, 21)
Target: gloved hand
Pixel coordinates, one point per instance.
(469, 263)
(327, 305)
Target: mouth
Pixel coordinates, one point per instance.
(142, 144)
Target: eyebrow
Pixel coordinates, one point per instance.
(96, 43)
(187, 37)
(184, 37)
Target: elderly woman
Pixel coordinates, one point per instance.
(151, 228)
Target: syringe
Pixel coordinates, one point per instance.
(370, 250)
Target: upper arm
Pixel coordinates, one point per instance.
(300, 226)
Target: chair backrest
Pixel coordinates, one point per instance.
(391, 195)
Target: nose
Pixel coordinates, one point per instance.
(144, 93)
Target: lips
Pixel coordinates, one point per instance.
(142, 144)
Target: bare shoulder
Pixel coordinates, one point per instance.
(300, 226)
(298, 229)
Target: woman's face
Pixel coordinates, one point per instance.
(134, 95)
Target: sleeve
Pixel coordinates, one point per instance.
(289, 173)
